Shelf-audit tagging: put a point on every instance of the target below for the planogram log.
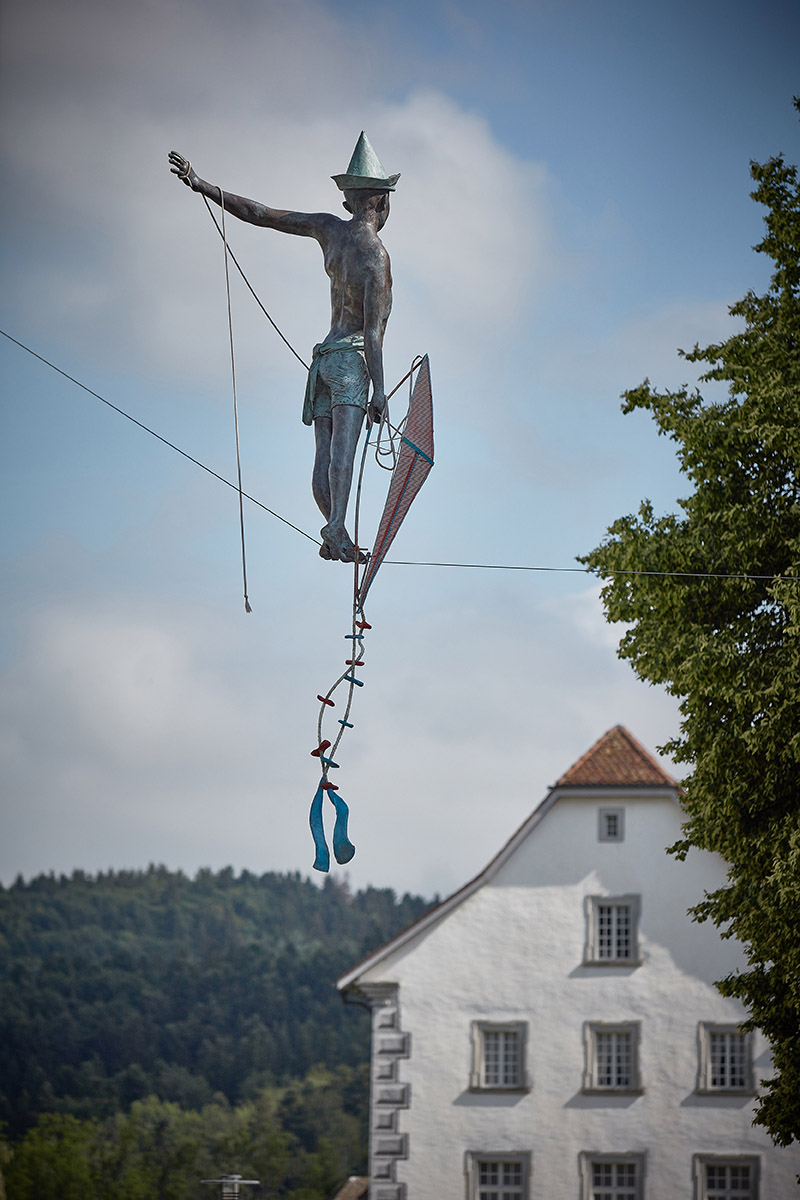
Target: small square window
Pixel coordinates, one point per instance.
(498, 1056)
(498, 1176)
(726, 1178)
(612, 930)
(611, 825)
(725, 1059)
(612, 1176)
(611, 1057)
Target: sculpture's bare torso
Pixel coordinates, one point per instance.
(361, 283)
(361, 299)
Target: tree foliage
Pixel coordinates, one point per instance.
(729, 648)
(130, 984)
(300, 1141)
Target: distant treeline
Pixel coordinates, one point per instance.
(213, 995)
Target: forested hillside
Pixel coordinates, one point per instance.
(196, 1004)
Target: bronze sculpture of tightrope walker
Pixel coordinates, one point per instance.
(337, 397)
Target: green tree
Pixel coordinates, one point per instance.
(54, 1161)
(729, 647)
(300, 1142)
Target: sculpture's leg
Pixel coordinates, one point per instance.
(346, 427)
(320, 481)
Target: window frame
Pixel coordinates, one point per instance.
(590, 1085)
(704, 1085)
(473, 1159)
(701, 1161)
(477, 1079)
(602, 814)
(591, 956)
(588, 1158)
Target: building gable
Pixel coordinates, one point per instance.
(616, 762)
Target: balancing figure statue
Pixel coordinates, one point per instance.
(350, 357)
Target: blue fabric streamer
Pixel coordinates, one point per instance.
(343, 848)
(322, 861)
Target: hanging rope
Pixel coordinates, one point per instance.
(184, 175)
(247, 607)
(252, 290)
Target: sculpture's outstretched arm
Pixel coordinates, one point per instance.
(303, 224)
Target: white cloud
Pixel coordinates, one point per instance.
(125, 691)
(114, 256)
(133, 732)
(647, 344)
(473, 226)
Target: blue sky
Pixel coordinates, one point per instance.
(573, 207)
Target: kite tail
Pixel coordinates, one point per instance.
(411, 464)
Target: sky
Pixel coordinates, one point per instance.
(573, 207)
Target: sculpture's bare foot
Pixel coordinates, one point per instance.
(339, 544)
(331, 542)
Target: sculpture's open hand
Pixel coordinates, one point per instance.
(183, 169)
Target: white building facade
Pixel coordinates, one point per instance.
(552, 1030)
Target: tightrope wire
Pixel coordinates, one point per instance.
(396, 562)
(389, 561)
(153, 433)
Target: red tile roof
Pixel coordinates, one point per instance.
(617, 759)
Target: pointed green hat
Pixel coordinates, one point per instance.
(365, 170)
